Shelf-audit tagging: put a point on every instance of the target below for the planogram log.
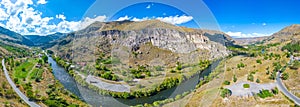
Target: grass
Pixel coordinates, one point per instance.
(28, 65)
(36, 73)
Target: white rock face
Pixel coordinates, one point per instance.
(173, 40)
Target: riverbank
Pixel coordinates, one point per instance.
(167, 83)
(33, 77)
(170, 91)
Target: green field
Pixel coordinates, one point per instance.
(24, 68)
(36, 73)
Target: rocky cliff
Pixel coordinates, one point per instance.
(180, 41)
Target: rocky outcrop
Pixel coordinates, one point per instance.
(165, 36)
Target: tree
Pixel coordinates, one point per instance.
(226, 82)
(179, 66)
(45, 58)
(250, 77)
(275, 91)
(23, 69)
(295, 65)
(173, 71)
(259, 61)
(257, 81)
(234, 78)
(285, 76)
(225, 93)
(264, 94)
(273, 75)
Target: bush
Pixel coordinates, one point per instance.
(173, 71)
(225, 93)
(273, 75)
(234, 78)
(264, 94)
(179, 66)
(250, 77)
(259, 61)
(257, 81)
(246, 85)
(285, 76)
(226, 82)
(275, 91)
(23, 69)
(241, 65)
(295, 65)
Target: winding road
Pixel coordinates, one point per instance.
(285, 91)
(12, 84)
(282, 87)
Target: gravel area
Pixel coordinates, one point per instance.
(237, 89)
(107, 86)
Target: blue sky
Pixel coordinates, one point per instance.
(240, 18)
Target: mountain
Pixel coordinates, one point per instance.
(126, 37)
(10, 37)
(286, 34)
(44, 40)
(248, 41)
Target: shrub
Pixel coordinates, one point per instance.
(259, 61)
(225, 93)
(234, 78)
(285, 76)
(257, 81)
(246, 85)
(226, 82)
(23, 69)
(173, 71)
(250, 77)
(264, 94)
(275, 91)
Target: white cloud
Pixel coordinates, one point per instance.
(21, 17)
(124, 18)
(176, 19)
(170, 19)
(243, 35)
(264, 24)
(61, 16)
(42, 2)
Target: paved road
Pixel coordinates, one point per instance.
(285, 91)
(12, 84)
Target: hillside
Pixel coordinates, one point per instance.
(286, 34)
(44, 40)
(120, 52)
(159, 34)
(12, 38)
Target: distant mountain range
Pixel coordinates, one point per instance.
(12, 38)
(43, 40)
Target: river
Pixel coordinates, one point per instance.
(96, 100)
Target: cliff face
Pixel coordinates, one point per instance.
(134, 35)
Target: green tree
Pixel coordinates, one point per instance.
(225, 93)
(226, 82)
(234, 78)
(257, 81)
(179, 66)
(250, 77)
(285, 76)
(259, 61)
